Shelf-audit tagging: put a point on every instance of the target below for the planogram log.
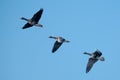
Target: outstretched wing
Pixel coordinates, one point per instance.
(37, 16)
(56, 46)
(27, 25)
(90, 64)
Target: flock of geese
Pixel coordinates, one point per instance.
(94, 56)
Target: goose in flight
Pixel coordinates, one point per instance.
(34, 20)
(58, 43)
(94, 57)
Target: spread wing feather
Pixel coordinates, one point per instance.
(56, 46)
(36, 17)
(90, 64)
(27, 25)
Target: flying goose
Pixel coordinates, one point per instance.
(58, 43)
(34, 20)
(94, 57)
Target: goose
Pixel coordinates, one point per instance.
(34, 20)
(58, 43)
(94, 57)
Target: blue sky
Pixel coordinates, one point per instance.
(88, 24)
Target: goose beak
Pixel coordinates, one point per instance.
(22, 18)
(50, 37)
(67, 41)
(85, 53)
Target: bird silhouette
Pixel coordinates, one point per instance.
(59, 41)
(94, 57)
(34, 20)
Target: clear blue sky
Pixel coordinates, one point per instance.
(88, 24)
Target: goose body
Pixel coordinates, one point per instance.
(34, 20)
(94, 57)
(59, 41)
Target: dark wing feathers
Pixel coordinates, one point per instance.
(37, 15)
(27, 25)
(90, 64)
(56, 46)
